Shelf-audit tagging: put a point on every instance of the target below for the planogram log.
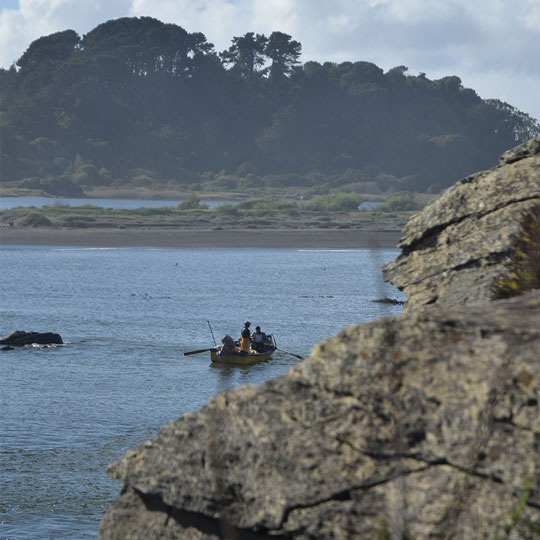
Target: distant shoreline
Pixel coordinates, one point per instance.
(130, 194)
(156, 195)
(200, 238)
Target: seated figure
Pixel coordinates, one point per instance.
(228, 346)
(258, 340)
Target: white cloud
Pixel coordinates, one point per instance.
(340, 23)
(219, 20)
(273, 15)
(530, 15)
(490, 44)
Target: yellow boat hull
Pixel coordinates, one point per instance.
(239, 358)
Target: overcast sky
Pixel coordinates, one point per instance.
(492, 45)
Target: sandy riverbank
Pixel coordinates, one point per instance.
(181, 238)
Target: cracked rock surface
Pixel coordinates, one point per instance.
(464, 243)
(423, 425)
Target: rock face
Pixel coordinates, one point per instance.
(20, 338)
(424, 425)
(479, 241)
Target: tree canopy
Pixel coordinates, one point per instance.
(284, 53)
(246, 55)
(140, 102)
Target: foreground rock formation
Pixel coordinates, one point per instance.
(424, 425)
(479, 241)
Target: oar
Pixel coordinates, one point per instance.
(198, 351)
(292, 354)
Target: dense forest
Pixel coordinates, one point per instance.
(136, 102)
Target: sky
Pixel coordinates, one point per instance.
(492, 45)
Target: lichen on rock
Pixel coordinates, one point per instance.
(524, 274)
(467, 245)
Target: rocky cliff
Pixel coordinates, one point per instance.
(479, 241)
(424, 425)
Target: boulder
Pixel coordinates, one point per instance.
(427, 423)
(480, 240)
(422, 425)
(21, 338)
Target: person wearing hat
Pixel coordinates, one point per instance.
(245, 338)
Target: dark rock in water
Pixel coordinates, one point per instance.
(422, 425)
(8, 348)
(386, 300)
(20, 338)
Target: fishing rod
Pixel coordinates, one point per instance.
(211, 331)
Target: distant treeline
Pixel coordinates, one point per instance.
(142, 103)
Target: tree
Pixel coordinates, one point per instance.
(148, 46)
(397, 74)
(202, 58)
(144, 44)
(139, 94)
(284, 53)
(246, 55)
(55, 47)
(361, 77)
(519, 125)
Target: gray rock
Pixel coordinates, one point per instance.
(380, 428)
(469, 243)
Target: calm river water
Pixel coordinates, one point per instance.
(128, 315)
(125, 204)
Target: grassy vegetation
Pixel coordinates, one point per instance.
(193, 202)
(402, 202)
(517, 520)
(333, 202)
(268, 206)
(337, 210)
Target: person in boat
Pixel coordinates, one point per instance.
(228, 346)
(258, 340)
(245, 338)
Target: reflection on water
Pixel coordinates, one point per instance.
(229, 375)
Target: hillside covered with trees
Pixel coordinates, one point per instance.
(137, 102)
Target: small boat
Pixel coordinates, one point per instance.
(267, 348)
(230, 353)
